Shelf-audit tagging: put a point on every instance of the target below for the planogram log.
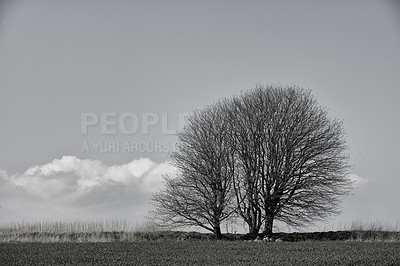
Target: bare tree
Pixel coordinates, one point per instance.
(293, 153)
(201, 194)
(269, 154)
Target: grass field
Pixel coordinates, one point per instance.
(202, 253)
(117, 242)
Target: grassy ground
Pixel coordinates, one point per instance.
(121, 243)
(202, 253)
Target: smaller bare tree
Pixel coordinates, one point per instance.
(201, 194)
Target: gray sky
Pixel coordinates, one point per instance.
(62, 59)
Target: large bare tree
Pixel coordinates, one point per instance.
(201, 194)
(268, 154)
(292, 154)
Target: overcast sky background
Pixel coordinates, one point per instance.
(62, 59)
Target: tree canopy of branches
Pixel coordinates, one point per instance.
(292, 157)
(268, 154)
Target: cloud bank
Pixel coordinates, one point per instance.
(74, 189)
(71, 188)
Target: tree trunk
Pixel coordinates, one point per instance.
(254, 227)
(269, 222)
(217, 232)
(253, 232)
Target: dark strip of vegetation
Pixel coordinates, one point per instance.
(120, 236)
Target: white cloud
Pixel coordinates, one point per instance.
(71, 185)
